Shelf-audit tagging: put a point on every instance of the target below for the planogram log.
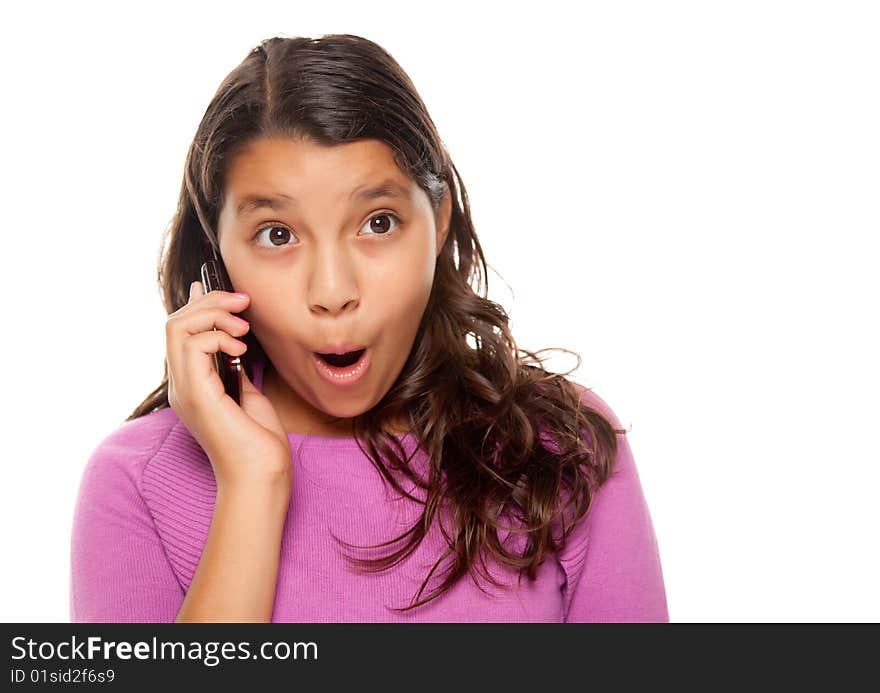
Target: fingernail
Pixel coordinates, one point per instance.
(241, 295)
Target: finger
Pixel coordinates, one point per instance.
(205, 319)
(205, 332)
(211, 342)
(233, 302)
(199, 351)
(195, 290)
(185, 324)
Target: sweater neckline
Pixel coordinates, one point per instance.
(348, 442)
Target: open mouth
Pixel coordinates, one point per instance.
(342, 360)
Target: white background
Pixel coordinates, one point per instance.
(685, 193)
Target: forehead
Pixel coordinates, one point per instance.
(302, 166)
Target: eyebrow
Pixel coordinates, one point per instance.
(252, 202)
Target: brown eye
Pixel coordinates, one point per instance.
(381, 225)
(276, 235)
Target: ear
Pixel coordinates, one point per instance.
(442, 217)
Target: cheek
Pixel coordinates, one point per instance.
(402, 300)
(408, 274)
(410, 269)
(269, 324)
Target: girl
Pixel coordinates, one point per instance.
(395, 456)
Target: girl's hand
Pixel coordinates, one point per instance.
(245, 444)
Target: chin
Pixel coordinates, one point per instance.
(342, 410)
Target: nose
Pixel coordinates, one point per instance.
(333, 287)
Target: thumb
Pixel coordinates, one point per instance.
(246, 384)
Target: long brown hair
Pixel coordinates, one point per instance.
(466, 404)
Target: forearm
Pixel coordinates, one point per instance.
(237, 574)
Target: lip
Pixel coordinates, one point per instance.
(343, 377)
(340, 348)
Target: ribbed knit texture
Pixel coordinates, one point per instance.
(146, 500)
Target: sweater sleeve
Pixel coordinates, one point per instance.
(613, 560)
(119, 569)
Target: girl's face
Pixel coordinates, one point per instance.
(326, 263)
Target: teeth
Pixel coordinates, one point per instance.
(344, 373)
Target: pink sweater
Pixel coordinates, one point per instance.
(147, 495)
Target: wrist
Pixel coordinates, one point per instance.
(276, 482)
